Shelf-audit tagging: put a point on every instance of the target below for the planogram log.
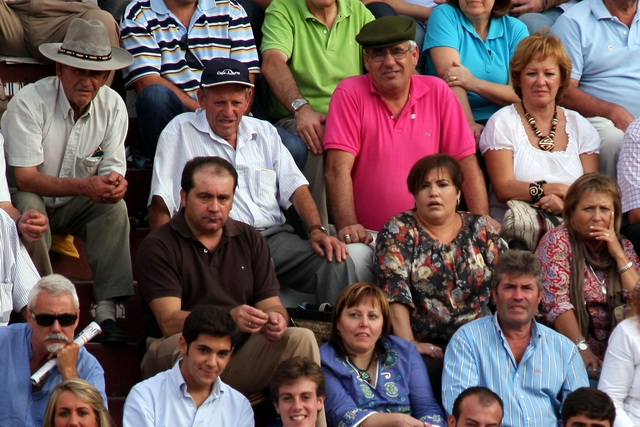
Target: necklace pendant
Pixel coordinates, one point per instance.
(546, 143)
(365, 376)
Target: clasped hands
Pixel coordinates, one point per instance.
(251, 320)
(109, 188)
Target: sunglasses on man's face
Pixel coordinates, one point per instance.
(192, 60)
(65, 319)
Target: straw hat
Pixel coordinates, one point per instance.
(87, 46)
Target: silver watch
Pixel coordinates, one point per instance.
(298, 104)
(581, 343)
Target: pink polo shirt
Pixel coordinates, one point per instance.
(386, 147)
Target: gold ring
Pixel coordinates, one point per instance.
(606, 234)
(454, 78)
(431, 348)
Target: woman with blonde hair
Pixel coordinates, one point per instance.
(75, 402)
(588, 269)
(534, 149)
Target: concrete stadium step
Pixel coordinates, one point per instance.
(122, 371)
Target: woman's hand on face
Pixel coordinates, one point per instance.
(459, 76)
(609, 236)
(551, 204)
(430, 350)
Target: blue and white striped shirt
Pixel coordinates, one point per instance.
(533, 391)
(152, 34)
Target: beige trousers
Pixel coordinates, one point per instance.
(25, 26)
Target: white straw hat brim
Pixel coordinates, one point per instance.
(120, 58)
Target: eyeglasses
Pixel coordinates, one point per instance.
(65, 319)
(378, 55)
(192, 60)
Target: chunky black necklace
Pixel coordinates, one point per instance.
(362, 373)
(545, 142)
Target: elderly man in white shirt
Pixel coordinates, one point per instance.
(269, 182)
(64, 140)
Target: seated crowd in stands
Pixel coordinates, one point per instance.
(364, 189)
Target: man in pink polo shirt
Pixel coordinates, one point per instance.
(381, 123)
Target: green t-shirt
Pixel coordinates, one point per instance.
(319, 58)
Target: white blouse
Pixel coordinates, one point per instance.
(620, 376)
(505, 131)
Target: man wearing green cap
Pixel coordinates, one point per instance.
(380, 124)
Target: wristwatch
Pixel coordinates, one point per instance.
(581, 343)
(298, 104)
(318, 227)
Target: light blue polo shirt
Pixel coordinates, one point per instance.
(605, 53)
(487, 60)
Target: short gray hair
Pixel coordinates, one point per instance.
(412, 45)
(54, 284)
(517, 263)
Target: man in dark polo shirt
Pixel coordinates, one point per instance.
(204, 257)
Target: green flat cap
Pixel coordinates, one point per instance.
(387, 31)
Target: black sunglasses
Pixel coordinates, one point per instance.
(192, 60)
(65, 319)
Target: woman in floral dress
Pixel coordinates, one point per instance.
(434, 263)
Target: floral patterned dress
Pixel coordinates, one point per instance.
(444, 285)
(555, 257)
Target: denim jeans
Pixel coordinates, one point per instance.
(536, 21)
(156, 106)
(296, 146)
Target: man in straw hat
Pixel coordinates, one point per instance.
(64, 146)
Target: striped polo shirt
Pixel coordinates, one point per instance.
(156, 39)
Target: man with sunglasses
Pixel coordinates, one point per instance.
(386, 121)
(52, 318)
(171, 41)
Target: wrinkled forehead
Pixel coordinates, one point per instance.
(48, 302)
(519, 280)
